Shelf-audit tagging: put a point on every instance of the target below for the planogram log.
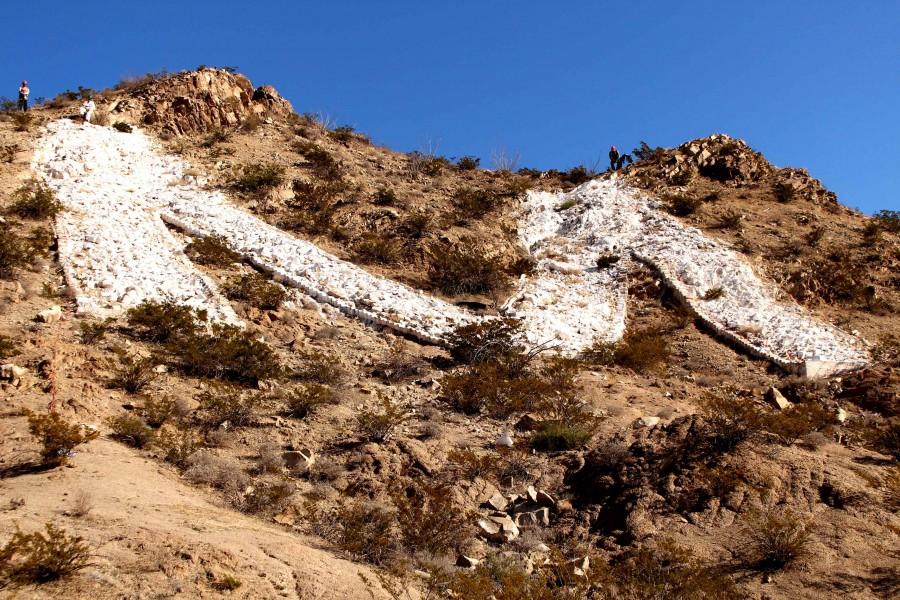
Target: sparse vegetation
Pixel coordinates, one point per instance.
(468, 163)
(319, 367)
(122, 127)
(475, 203)
(730, 420)
(682, 205)
(37, 558)
(428, 521)
(93, 332)
(258, 178)
(464, 269)
(302, 401)
(713, 293)
(377, 248)
(34, 200)
(57, 437)
(158, 410)
(14, 252)
(224, 404)
(642, 350)
(132, 374)
(385, 197)
(131, 429)
(257, 291)
(377, 425)
(226, 352)
(8, 347)
(162, 321)
(775, 540)
(211, 251)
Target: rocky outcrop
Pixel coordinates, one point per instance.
(197, 101)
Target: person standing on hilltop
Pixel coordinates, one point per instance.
(87, 109)
(23, 96)
(613, 158)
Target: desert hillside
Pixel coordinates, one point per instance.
(248, 352)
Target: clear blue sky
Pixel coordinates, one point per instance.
(813, 84)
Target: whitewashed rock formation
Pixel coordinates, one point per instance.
(116, 253)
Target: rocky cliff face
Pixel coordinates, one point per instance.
(198, 101)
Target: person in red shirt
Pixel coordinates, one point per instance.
(23, 96)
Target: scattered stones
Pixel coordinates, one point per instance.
(647, 421)
(497, 502)
(12, 373)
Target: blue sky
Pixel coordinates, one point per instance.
(811, 84)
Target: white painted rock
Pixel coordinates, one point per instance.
(50, 315)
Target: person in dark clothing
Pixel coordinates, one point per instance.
(23, 96)
(613, 158)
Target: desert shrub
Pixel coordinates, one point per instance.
(645, 153)
(730, 420)
(399, 364)
(681, 205)
(468, 163)
(269, 458)
(161, 321)
(321, 162)
(346, 134)
(556, 436)
(729, 220)
(226, 583)
(216, 137)
(428, 521)
(257, 291)
(485, 341)
(377, 248)
(815, 235)
(775, 540)
(8, 347)
(385, 197)
(57, 437)
(258, 178)
(666, 571)
(886, 439)
(34, 200)
(571, 203)
(177, 446)
(132, 374)
(131, 429)
(464, 269)
(475, 203)
(888, 220)
(427, 164)
(799, 420)
(301, 402)
(221, 473)
(644, 351)
(224, 404)
(41, 240)
(122, 127)
(415, 226)
(36, 558)
(212, 251)
(367, 532)
(891, 484)
(378, 425)
(713, 293)
(157, 410)
(22, 121)
(14, 252)
(226, 352)
(92, 332)
(318, 367)
(577, 175)
(266, 497)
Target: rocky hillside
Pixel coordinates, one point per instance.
(309, 455)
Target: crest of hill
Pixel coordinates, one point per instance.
(197, 101)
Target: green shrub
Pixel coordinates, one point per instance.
(644, 351)
(427, 164)
(730, 420)
(320, 368)
(216, 137)
(729, 220)
(131, 429)
(713, 293)
(385, 197)
(555, 436)
(645, 152)
(377, 248)
(266, 497)
(92, 332)
(157, 410)
(14, 252)
(36, 558)
(475, 203)
(799, 420)
(415, 226)
(485, 341)
(223, 404)
(378, 425)
(258, 178)
(346, 134)
(367, 532)
(161, 321)
(681, 205)
(888, 220)
(212, 251)
(775, 540)
(34, 200)
(8, 347)
(783, 191)
(177, 445)
(132, 374)
(56, 436)
(464, 269)
(301, 402)
(321, 162)
(226, 583)
(257, 291)
(227, 352)
(428, 521)
(468, 163)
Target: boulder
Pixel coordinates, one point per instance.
(12, 373)
(497, 502)
(647, 422)
(50, 315)
(467, 562)
(777, 399)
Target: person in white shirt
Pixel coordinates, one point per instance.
(87, 110)
(23, 96)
